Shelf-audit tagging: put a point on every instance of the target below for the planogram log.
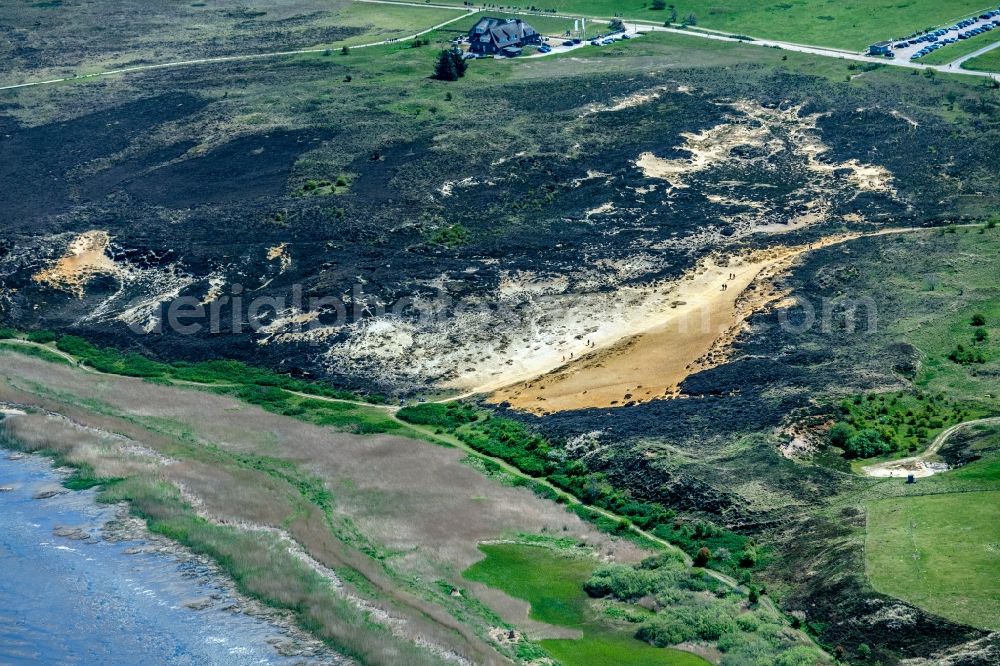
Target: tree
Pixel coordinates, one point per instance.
(749, 557)
(344, 50)
(867, 443)
(659, 5)
(617, 25)
(446, 70)
(691, 19)
(703, 556)
(754, 595)
(673, 14)
(461, 65)
(978, 319)
(840, 433)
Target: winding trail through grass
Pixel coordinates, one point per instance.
(568, 498)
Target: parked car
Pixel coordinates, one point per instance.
(545, 48)
(569, 42)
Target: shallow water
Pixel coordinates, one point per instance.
(65, 601)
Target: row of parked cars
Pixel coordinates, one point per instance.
(943, 36)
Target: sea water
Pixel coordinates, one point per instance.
(65, 601)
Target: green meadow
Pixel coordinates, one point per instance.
(552, 582)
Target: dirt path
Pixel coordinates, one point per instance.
(917, 465)
(468, 11)
(569, 499)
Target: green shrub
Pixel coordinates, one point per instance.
(978, 319)
(840, 434)
(43, 336)
(665, 630)
(967, 355)
(448, 416)
(867, 443)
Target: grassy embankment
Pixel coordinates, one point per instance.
(955, 51)
(848, 26)
(680, 606)
(259, 562)
(936, 546)
(929, 543)
(384, 21)
(988, 62)
(319, 404)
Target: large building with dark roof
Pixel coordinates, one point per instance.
(497, 35)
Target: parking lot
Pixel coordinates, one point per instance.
(923, 44)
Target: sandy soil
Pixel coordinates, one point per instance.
(708, 309)
(85, 259)
(280, 254)
(140, 289)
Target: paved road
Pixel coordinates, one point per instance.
(906, 465)
(820, 51)
(955, 64)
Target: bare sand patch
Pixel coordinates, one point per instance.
(628, 102)
(768, 132)
(708, 148)
(140, 289)
(280, 254)
(709, 308)
(84, 259)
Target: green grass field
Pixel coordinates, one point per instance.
(952, 292)
(849, 25)
(988, 62)
(965, 47)
(384, 21)
(553, 584)
(940, 552)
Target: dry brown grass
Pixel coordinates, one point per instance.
(419, 512)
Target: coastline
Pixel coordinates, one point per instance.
(210, 595)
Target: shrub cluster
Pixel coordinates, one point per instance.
(514, 443)
(876, 424)
(692, 606)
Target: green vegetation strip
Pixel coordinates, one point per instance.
(988, 62)
(514, 443)
(896, 423)
(964, 47)
(576, 591)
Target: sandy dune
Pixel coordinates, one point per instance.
(692, 334)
